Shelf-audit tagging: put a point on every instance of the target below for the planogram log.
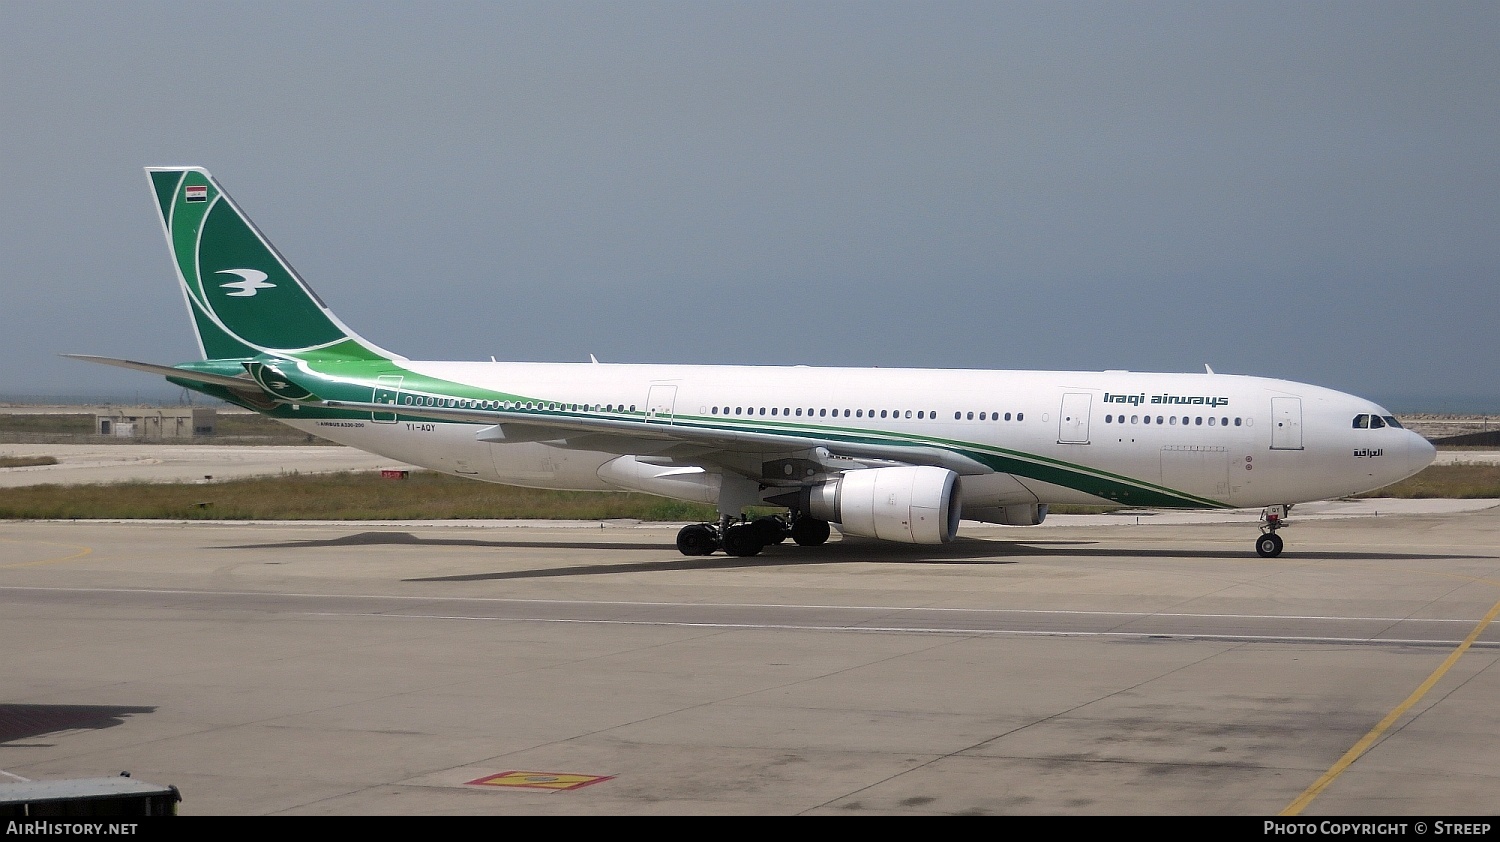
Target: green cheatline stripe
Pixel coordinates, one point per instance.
(354, 382)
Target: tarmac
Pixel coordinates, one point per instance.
(1130, 664)
(103, 463)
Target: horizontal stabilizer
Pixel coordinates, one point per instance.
(170, 371)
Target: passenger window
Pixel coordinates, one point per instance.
(981, 416)
(908, 413)
(1135, 419)
(1020, 416)
(971, 416)
(958, 416)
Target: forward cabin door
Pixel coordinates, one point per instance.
(1073, 419)
(1286, 423)
(659, 402)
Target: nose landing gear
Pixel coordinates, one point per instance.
(1269, 544)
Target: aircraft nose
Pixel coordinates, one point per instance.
(1419, 452)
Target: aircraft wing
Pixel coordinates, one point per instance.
(689, 443)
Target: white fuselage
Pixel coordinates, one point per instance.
(1228, 440)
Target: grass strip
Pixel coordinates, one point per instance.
(338, 496)
(26, 461)
(1462, 482)
(425, 495)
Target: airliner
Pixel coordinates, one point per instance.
(896, 454)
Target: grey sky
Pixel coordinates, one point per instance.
(1300, 190)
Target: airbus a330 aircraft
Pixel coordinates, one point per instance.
(896, 454)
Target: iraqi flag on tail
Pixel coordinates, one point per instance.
(195, 193)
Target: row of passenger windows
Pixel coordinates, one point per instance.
(1375, 422)
(1186, 421)
(799, 412)
(858, 413)
(473, 404)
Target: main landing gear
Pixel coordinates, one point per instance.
(747, 538)
(1269, 544)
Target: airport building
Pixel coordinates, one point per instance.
(143, 422)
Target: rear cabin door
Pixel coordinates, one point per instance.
(387, 391)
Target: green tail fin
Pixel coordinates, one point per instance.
(244, 298)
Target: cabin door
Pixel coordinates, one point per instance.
(387, 391)
(659, 402)
(1073, 419)
(1286, 423)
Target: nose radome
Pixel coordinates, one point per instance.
(1419, 452)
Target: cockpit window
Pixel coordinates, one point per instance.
(1361, 422)
(1375, 422)
(1390, 421)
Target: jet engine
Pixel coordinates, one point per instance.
(914, 505)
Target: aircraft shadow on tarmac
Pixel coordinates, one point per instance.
(19, 722)
(847, 551)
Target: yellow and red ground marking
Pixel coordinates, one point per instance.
(554, 781)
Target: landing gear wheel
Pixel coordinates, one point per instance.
(1268, 545)
(772, 530)
(810, 532)
(742, 539)
(697, 539)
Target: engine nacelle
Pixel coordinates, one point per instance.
(914, 505)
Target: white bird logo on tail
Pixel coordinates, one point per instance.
(251, 281)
